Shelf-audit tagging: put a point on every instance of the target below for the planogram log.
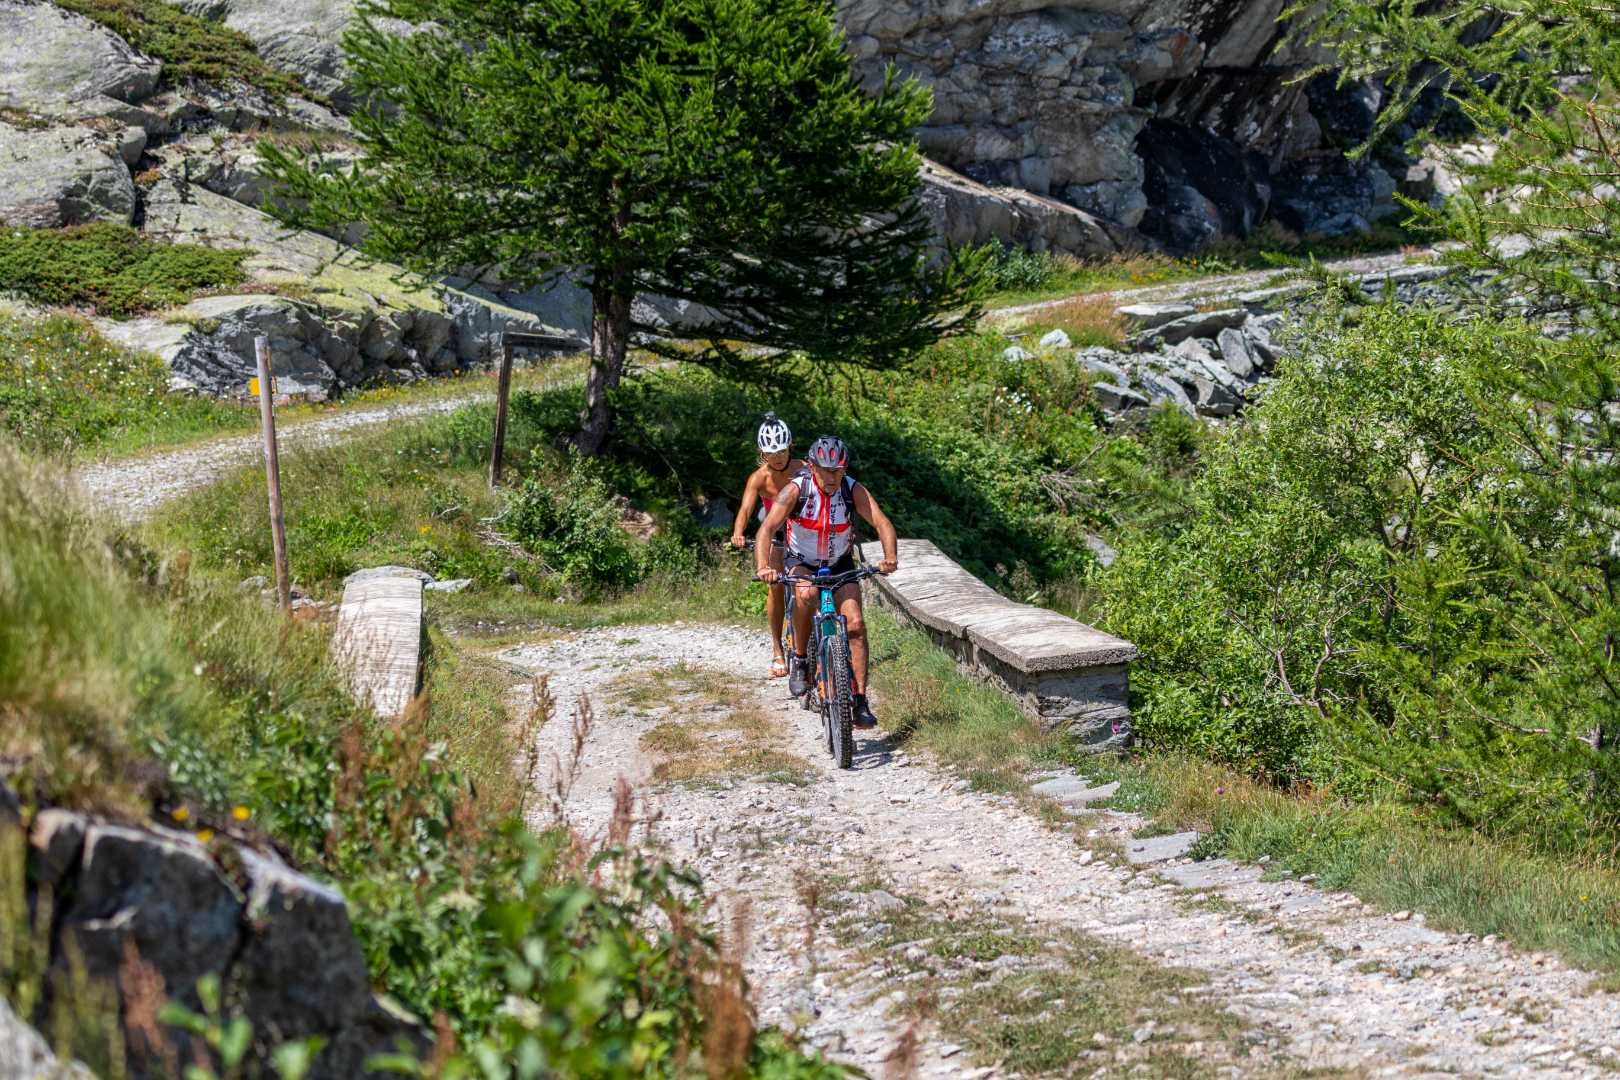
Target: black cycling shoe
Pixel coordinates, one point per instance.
(797, 682)
(863, 713)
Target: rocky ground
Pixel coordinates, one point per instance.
(895, 910)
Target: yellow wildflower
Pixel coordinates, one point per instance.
(205, 835)
(181, 814)
(241, 813)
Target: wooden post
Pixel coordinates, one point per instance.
(503, 390)
(272, 472)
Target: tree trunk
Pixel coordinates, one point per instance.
(610, 340)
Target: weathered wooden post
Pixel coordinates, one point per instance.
(503, 390)
(272, 473)
(510, 343)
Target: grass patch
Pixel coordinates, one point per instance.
(65, 391)
(1045, 1001)
(714, 733)
(417, 494)
(191, 48)
(1088, 320)
(136, 684)
(110, 268)
(1390, 857)
(928, 703)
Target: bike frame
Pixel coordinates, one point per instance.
(827, 624)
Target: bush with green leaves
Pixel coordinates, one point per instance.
(572, 523)
(110, 268)
(1394, 577)
(65, 389)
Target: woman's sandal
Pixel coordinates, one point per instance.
(779, 668)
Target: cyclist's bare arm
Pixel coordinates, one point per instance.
(786, 500)
(750, 498)
(867, 507)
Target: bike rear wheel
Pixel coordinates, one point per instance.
(841, 709)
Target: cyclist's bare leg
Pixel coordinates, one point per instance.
(849, 606)
(775, 613)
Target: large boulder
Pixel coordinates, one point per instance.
(50, 57)
(158, 896)
(52, 176)
(964, 211)
(342, 322)
(154, 905)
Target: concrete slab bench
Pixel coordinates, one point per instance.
(1065, 674)
(378, 640)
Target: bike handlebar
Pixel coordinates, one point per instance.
(828, 581)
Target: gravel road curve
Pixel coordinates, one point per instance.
(1323, 980)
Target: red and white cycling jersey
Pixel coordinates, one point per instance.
(818, 529)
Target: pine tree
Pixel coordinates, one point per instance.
(711, 151)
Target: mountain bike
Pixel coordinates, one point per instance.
(830, 679)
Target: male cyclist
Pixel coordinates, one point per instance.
(818, 508)
(776, 470)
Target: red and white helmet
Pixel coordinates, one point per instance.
(774, 436)
(829, 452)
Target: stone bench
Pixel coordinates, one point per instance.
(1063, 673)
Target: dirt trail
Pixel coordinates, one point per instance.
(1317, 980)
(1223, 284)
(135, 486)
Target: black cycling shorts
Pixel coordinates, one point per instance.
(844, 565)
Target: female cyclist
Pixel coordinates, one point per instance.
(776, 468)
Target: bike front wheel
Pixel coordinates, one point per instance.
(841, 706)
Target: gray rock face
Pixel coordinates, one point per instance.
(283, 948)
(364, 322)
(159, 894)
(964, 211)
(300, 969)
(218, 356)
(1148, 316)
(1235, 353)
(58, 176)
(1198, 325)
(25, 1055)
(49, 56)
(302, 37)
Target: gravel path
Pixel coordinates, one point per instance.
(133, 487)
(1225, 284)
(1321, 979)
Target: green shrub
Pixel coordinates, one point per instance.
(191, 48)
(110, 268)
(572, 522)
(1397, 577)
(64, 389)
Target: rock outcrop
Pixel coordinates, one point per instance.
(1211, 363)
(1054, 99)
(54, 176)
(1172, 118)
(155, 905)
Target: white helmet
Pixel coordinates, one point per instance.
(774, 436)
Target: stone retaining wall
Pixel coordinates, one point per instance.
(1069, 676)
